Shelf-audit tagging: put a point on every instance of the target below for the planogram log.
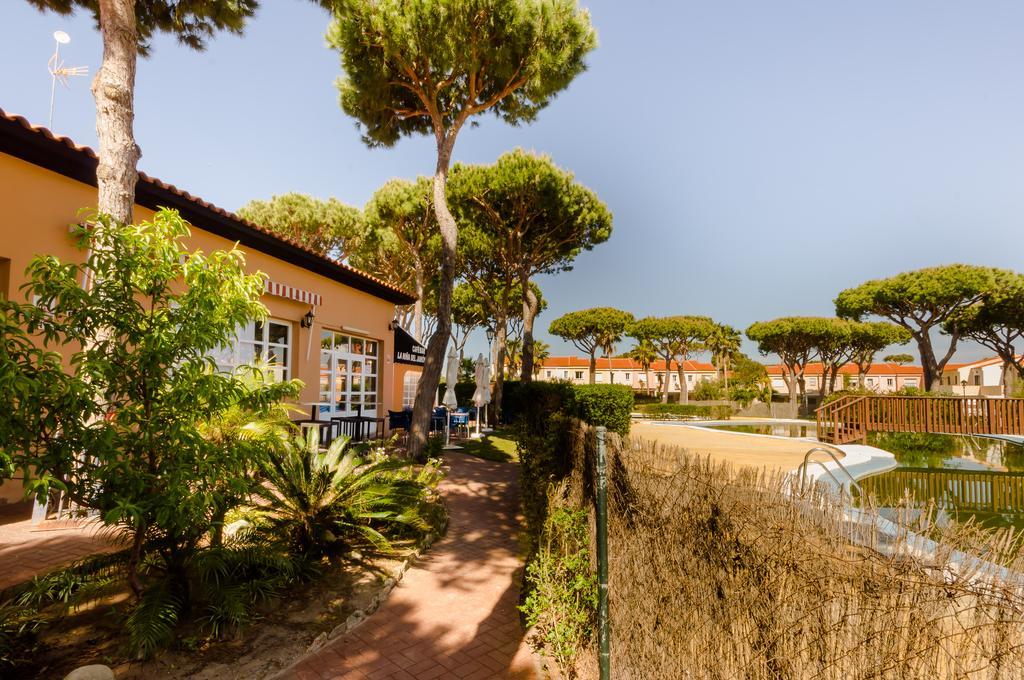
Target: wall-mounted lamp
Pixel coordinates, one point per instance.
(307, 320)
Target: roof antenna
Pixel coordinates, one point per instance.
(60, 72)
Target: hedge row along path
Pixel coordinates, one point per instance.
(454, 613)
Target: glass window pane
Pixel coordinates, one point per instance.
(326, 339)
(340, 381)
(341, 343)
(356, 346)
(371, 348)
(245, 353)
(370, 366)
(356, 383)
(278, 333)
(370, 386)
(258, 331)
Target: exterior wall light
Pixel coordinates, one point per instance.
(307, 320)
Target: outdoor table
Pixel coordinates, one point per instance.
(353, 425)
(326, 435)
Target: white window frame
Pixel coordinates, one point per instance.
(342, 350)
(246, 349)
(409, 388)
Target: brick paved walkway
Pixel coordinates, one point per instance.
(454, 614)
(27, 549)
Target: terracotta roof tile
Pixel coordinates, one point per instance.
(622, 364)
(814, 368)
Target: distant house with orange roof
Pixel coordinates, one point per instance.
(624, 371)
(881, 377)
(984, 377)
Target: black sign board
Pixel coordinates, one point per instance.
(407, 350)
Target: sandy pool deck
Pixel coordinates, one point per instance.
(736, 448)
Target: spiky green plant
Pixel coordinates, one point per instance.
(323, 503)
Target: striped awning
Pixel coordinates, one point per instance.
(292, 293)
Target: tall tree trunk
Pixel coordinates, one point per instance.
(426, 392)
(114, 92)
(593, 366)
(725, 376)
(789, 377)
(684, 389)
(417, 310)
(500, 352)
(664, 384)
(530, 305)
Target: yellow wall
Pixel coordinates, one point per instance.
(37, 205)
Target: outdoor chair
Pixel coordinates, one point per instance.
(460, 422)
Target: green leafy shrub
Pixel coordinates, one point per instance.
(708, 390)
(692, 411)
(530, 404)
(562, 599)
(18, 627)
(323, 503)
(119, 427)
(608, 405)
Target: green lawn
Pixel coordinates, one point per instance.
(497, 445)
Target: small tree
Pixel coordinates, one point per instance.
(590, 330)
(898, 359)
(922, 301)
(724, 344)
(644, 353)
(997, 323)
(788, 338)
(329, 227)
(120, 428)
(401, 245)
(675, 337)
(127, 26)
(526, 216)
(414, 68)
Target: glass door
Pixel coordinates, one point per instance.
(348, 375)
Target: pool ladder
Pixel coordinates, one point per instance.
(807, 461)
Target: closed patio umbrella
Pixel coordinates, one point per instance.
(449, 401)
(482, 395)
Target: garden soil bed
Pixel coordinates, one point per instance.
(285, 629)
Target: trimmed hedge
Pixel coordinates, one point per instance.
(608, 405)
(531, 404)
(720, 412)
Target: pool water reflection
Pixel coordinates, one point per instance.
(919, 456)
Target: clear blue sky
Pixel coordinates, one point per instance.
(758, 157)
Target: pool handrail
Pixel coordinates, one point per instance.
(835, 459)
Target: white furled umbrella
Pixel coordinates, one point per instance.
(451, 377)
(482, 395)
(449, 401)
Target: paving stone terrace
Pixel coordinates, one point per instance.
(454, 614)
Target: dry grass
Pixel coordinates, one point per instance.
(718, 572)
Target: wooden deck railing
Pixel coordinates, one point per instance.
(974, 490)
(850, 418)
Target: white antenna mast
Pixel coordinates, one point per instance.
(60, 72)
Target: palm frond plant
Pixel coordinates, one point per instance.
(324, 503)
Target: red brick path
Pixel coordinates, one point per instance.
(454, 614)
(27, 549)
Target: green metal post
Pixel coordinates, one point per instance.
(602, 557)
